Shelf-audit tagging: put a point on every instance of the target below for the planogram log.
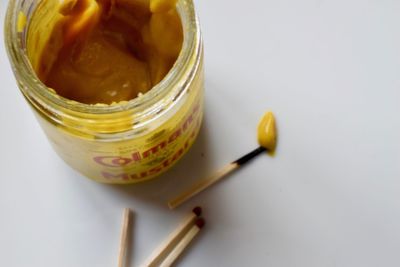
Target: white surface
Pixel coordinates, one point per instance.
(331, 196)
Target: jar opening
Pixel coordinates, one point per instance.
(166, 91)
(103, 51)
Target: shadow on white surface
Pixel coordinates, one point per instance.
(193, 166)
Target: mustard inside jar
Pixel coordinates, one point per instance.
(116, 85)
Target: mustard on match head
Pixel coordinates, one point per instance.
(266, 132)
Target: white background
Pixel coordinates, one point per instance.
(330, 70)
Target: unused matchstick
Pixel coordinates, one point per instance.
(124, 237)
(162, 251)
(183, 243)
(267, 141)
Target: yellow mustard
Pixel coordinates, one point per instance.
(266, 132)
(107, 51)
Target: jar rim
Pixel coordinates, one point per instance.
(170, 87)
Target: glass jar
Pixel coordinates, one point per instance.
(120, 143)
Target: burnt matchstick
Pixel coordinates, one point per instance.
(161, 252)
(183, 243)
(267, 140)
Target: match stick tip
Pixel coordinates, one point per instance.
(200, 223)
(197, 211)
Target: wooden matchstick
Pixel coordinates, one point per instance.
(183, 243)
(267, 141)
(124, 237)
(217, 176)
(162, 251)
